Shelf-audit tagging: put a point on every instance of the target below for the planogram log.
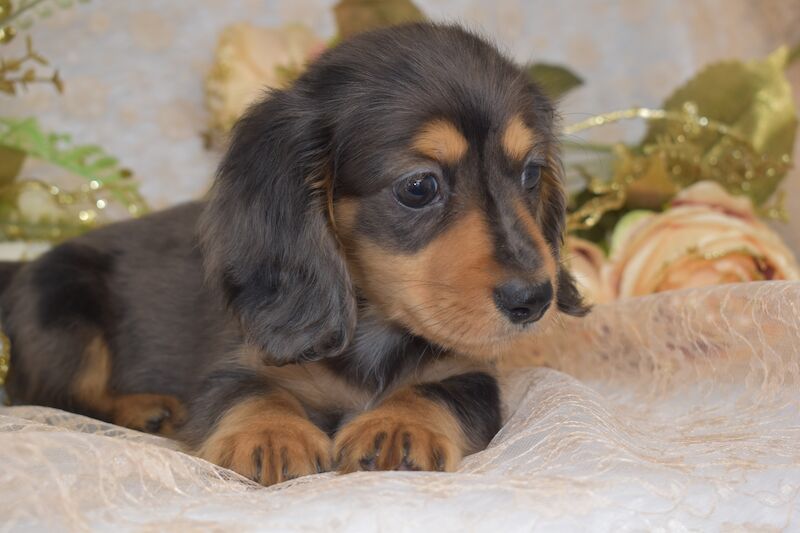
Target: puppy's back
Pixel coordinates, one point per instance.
(137, 286)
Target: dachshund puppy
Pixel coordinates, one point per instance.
(376, 236)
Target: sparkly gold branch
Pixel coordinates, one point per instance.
(700, 133)
(671, 159)
(13, 74)
(689, 117)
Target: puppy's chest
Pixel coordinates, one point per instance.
(379, 360)
(374, 365)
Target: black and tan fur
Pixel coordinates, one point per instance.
(302, 317)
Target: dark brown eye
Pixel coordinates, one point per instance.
(531, 176)
(417, 191)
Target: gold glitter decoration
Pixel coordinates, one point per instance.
(734, 123)
(18, 72)
(62, 213)
(7, 34)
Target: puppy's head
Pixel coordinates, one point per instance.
(416, 164)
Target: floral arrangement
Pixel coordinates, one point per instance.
(681, 208)
(92, 187)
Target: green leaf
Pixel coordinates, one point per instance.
(356, 16)
(103, 163)
(794, 54)
(555, 80)
(80, 153)
(754, 99)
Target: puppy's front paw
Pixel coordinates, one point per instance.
(272, 450)
(151, 413)
(379, 441)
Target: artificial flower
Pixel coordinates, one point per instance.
(249, 60)
(705, 237)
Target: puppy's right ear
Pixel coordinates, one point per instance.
(266, 237)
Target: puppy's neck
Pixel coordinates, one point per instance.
(382, 352)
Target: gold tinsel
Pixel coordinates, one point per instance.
(75, 211)
(662, 168)
(734, 123)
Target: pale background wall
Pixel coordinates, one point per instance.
(134, 70)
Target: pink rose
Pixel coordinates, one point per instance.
(706, 237)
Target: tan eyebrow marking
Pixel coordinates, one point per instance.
(518, 138)
(441, 140)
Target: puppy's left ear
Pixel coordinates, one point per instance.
(554, 213)
(266, 238)
(568, 298)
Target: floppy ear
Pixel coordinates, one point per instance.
(266, 238)
(568, 298)
(554, 214)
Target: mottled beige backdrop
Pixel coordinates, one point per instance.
(134, 69)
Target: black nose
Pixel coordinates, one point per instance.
(523, 302)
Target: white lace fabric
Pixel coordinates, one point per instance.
(675, 412)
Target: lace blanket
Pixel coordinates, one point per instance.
(675, 412)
